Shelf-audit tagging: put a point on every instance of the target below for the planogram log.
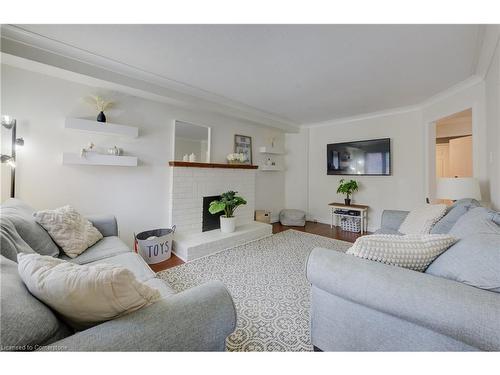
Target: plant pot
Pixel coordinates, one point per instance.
(347, 201)
(227, 224)
(101, 117)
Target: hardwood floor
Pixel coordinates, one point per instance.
(320, 229)
(314, 228)
(169, 263)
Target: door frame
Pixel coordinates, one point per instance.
(430, 146)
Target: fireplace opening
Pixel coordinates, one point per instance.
(210, 222)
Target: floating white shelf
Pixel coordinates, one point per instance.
(270, 168)
(269, 150)
(101, 127)
(99, 159)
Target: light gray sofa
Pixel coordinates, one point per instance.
(362, 305)
(198, 319)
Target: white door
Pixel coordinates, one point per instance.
(461, 157)
(442, 160)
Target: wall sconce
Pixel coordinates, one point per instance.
(8, 160)
(10, 123)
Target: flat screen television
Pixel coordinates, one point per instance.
(369, 158)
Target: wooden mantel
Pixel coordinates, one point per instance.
(189, 164)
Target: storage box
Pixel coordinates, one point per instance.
(351, 224)
(155, 246)
(263, 216)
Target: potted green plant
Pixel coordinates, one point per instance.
(347, 188)
(228, 203)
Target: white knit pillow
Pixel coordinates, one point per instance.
(413, 251)
(422, 219)
(84, 295)
(70, 230)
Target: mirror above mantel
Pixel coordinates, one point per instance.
(191, 142)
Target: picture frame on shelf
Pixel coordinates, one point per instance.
(243, 145)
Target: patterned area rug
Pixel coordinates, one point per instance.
(267, 281)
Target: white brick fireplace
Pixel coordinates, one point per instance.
(189, 185)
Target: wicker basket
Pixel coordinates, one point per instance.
(351, 224)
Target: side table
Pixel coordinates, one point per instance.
(362, 209)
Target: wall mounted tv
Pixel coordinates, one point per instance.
(369, 158)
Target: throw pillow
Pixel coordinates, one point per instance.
(25, 321)
(453, 213)
(474, 260)
(11, 242)
(477, 220)
(84, 295)
(422, 219)
(413, 251)
(32, 233)
(70, 230)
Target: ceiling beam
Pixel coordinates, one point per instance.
(27, 45)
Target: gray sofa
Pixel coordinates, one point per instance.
(362, 305)
(198, 319)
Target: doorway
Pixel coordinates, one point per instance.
(454, 157)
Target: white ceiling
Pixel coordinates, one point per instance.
(302, 73)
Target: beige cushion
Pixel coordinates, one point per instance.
(84, 295)
(422, 219)
(70, 230)
(413, 251)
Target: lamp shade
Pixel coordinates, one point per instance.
(458, 188)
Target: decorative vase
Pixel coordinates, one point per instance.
(347, 201)
(227, 224)
(101, 117)
(115, 151)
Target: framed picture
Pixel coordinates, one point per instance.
(243, 145)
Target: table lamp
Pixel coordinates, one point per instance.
(458, 188)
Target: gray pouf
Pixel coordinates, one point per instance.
(293, 218)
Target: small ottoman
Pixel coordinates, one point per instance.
(293, 218)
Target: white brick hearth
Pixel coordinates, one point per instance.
(193, 246)
(189, 186)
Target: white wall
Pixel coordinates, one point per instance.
(413, 141)
(137, 196)
(402, 190)
(492, 83)
(297, 166)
